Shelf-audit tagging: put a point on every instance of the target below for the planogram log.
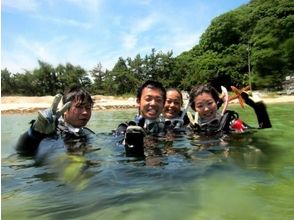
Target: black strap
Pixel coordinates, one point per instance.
(226, 120)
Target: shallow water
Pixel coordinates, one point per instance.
(248, 176)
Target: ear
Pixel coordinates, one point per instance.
(137, 102)
(64, 114)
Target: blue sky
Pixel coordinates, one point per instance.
(86, 32)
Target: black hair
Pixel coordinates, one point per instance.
(151, 84)
(203, 88)
(78, 94)
(178, 91)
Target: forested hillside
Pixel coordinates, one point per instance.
(251, 44)
(259, 36)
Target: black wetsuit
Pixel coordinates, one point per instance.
(132, 138)
(178, 123)
(66, 138)
(229, 122)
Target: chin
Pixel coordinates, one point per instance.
(82, 124)
(169, 116)
(209, 117)
(152, 117)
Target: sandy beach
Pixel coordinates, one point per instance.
(25, 104)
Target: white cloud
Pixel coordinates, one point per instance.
(184, 41)
(145, 23)
(140, 2)
(65, 21)
(89, 5)
(21, 5)
(18, 62)
(26, 52)
(131, 37)
(129, 41)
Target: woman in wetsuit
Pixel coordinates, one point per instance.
(172, 113)
(205, 101)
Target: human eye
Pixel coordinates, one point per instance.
(177, 102)
(210, 103)
(159, 99)
(148, 98)
(88, 107)
(78, 106)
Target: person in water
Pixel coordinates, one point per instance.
(150, 101)
(172, 113)
(205, 101)
(60, 129)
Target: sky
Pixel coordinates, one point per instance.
(89, 32)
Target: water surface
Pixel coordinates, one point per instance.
(248, 176)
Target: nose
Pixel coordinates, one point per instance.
(206, 108)
(153, 102)
(85, 110)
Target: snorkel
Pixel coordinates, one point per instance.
(180, 121)
(226, 99)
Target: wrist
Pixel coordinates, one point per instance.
(35, 134)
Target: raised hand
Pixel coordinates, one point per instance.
(46, 120)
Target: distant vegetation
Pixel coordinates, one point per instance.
(256, 38)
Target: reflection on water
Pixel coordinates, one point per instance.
(248, 176)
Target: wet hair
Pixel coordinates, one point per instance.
(77, 94)
(178, 91)
(203, 88)
(153, 85)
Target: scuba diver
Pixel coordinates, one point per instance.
(205, 101)
(150, 100)
(175, 118)
(51, 132)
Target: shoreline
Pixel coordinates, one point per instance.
(32, 104)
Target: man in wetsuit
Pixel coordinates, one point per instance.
(150, 101)
(50, 131)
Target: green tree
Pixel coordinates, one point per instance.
(7, 82)
(123, 81)
(45, 79)
(26, 84)
(69, 75)
(98, 76)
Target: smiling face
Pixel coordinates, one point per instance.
(151, 103)
(205, 105)
(173, 104)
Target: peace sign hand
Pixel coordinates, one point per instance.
(46, 120)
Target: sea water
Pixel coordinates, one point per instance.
(245, 176)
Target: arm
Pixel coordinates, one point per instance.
(28, 142)
(260, 111)
(44, 126)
